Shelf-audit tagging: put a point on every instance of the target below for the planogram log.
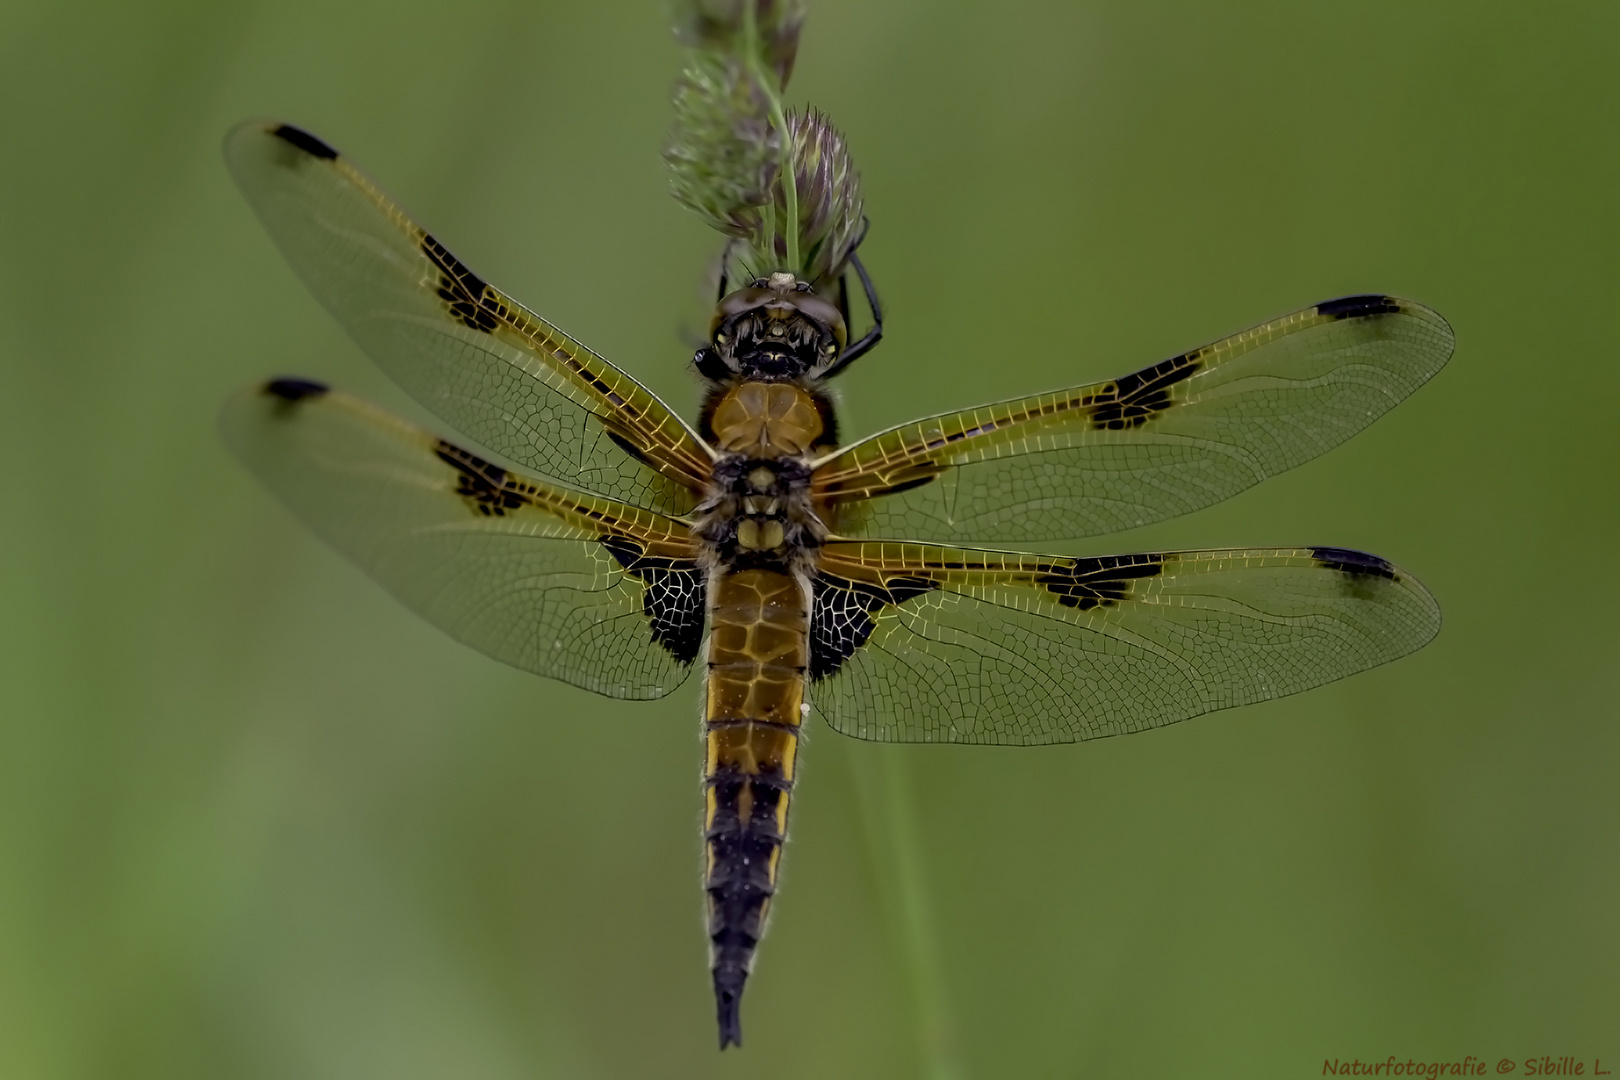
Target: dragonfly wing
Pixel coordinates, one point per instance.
(918, 643)
(1169, 439)
(494, 370)
(573, 586)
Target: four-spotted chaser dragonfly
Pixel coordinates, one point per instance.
(596, 538)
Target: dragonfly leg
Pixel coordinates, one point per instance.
(872, 336)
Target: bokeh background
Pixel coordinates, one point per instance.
(257, 821)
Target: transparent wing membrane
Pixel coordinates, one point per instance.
(1172, 438)
(909, 641)
(576, 587)
(501, 375)
(918, 643)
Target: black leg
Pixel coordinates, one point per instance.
(874, 335)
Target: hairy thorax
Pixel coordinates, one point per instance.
(758, 512)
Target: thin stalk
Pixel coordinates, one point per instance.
(788, 171)
(767, 228)
(887, 811)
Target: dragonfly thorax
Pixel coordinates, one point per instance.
(775, 328)
(759, 500)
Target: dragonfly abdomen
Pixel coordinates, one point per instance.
(758, 652)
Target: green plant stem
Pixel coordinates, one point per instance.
(883, 780)
(789, 175)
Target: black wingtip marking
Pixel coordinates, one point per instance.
(1356, 307)
(306, 142)
(1355, 563)
(295, 389)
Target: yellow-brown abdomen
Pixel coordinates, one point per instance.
(758, 654)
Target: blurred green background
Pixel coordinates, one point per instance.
(256, 820)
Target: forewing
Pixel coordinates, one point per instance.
(1169, 439)
(576, 587)
(916, 643)
(494, 370)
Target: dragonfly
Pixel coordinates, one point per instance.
(578, 528)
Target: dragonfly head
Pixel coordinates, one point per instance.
(773, 329)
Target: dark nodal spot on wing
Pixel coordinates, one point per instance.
(1134, 399)
(291, 389)
(470, 464)
(1090, 583)
(1357, 564)
(306, 142)
(1355, 307)
(488, 488)
(674, 594)
(469, 298)
(1160, 376)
